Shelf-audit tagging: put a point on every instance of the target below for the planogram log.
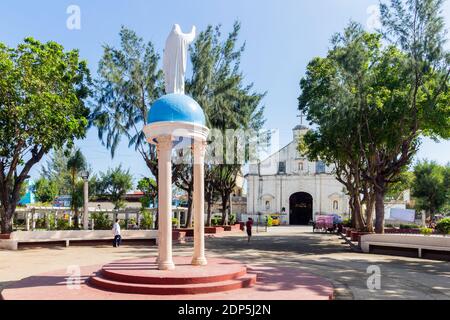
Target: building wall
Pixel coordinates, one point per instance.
(266, 185)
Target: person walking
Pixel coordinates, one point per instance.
(117, 236)
(249, 226)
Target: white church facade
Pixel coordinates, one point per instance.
(288, 184)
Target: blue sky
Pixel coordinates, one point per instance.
(281, 38)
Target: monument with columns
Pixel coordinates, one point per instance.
(173, 119)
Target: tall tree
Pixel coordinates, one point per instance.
(414, 86)
(115, 183)
(211, 193)
(431, 186)
(55, 170)
(183, 178)
(150, 189)
(45, 190)
(217, 83)
(332, 96)
(75, 165)
(42, 105)
(129, 80)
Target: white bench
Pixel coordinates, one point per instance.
(65, 237)
(412, 241)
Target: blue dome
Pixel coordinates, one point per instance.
(176, 107)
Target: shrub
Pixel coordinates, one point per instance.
(389, 225)
(216, 220)
(146, 220)
(269, 221)
(409, 226)
(443, 226)
(40, 223)
(101, 221)
(232, 219)
(347, 222)
(426, 231)
(63, 224)
(174, 222)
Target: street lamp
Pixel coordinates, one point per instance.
(85, 176)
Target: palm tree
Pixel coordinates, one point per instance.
(75, 164)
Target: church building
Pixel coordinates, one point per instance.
(288, 184)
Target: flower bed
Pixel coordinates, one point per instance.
(214, 230)
(189, 232)
(403, 231)
(234, 227)
(348, 232)
(356, 235)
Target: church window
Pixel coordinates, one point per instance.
(282, 167)
(335, 205)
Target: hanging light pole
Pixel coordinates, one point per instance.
(85, 176)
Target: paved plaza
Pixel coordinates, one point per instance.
(324, 255)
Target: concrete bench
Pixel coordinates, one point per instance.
(65, 237)
(419, 243)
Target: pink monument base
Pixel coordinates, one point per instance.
(140, 279)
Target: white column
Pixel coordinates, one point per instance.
(164, 150)
(33, 219)
(27, 221)
(199, 204)
(86, 204)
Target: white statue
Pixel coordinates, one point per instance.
(175, 59)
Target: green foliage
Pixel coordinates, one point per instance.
(129, 80)
(51, 222)
(45, 190)
(63, 224)
(42, 106)
(150, 189)
(232, 219)
(409, 226)
(56, 171)
(218, 85)
(216, 221)
(431, 186)
(443, 226)
(174, 222)
(269, 221)
(347, 222)
(114, 184)
(146, 220)
(101, 221)
(426, 231)
(405, 181)
(371, 102)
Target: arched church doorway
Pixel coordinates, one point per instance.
(300, 208)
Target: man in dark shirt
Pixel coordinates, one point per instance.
(249, 226)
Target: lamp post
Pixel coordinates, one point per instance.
(85, 176)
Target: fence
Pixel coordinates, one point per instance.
(47, 218)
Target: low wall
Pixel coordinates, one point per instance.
(406, 241)
(31, 237)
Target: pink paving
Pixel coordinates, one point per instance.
(139, 279)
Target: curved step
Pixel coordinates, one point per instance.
(117, 275)
(99, 282)
(145, 271)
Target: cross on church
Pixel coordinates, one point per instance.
(301, 116)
